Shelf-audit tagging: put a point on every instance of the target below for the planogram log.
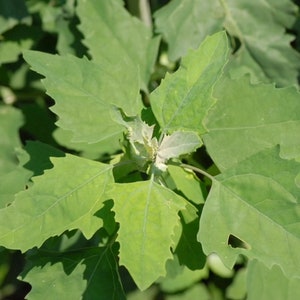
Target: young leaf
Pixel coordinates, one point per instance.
(174, 145)
(148, 215)
(64, 198)
(118, 37)
(183, 98)
(252, 209)
(249, 118)
(84, 94)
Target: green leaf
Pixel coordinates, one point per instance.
(264, 283)
(174, 145)
(52, 281)
(183, 98)
(84, 94)
(263, 48)
(12, 177)
(185, 25)
(180, 277)
(237, 290)
(189, 250)
(252, 209)
(249, 118)
(187, 183)
(148, 215)
(64, 198)
(198, 291)
(126, 39)
(89, 273)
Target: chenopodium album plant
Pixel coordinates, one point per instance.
(151, 207)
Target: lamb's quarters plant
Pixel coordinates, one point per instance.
(145, 191)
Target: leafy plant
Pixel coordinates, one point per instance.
(184, 185)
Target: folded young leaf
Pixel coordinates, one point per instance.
(84, 94)
(249, 118)
(253, 209)
(64, 198)
(174, 145)
(118, 38)
(148, 215)
(183, 98)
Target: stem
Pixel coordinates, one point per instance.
(141, 9)
(202, 172)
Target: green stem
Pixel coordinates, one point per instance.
(141, 9)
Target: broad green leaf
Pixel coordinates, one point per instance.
(183, 98)
(264, 283)
(91, 151)
(198, 291)
(88, 274)
(185, 24)
(265, 50)
(84, 94)
(180, 277)
(174, 145)
(252, 209)
(51, 281)
(237, 289)
(118, 37)
(187, 183)
(260, 26)
(148, 215)
(12, 177)
(189, 250)
(36, 157)
(64, 198)
(249, 118)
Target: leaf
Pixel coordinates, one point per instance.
(264, 283)
(188, 184)
(249, 118)
(36, 157)
(183, 98)
(12, 177)
(263, 48)
(189, 250)
(183, 277)
(51, 281)
(89, 273)
(252, 209)
(64, 198)
(183, 33)
(118, 37)
(174, 145)
(84, 94)
(148, 215)
(237, 290)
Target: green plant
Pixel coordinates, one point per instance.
(190, 183)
